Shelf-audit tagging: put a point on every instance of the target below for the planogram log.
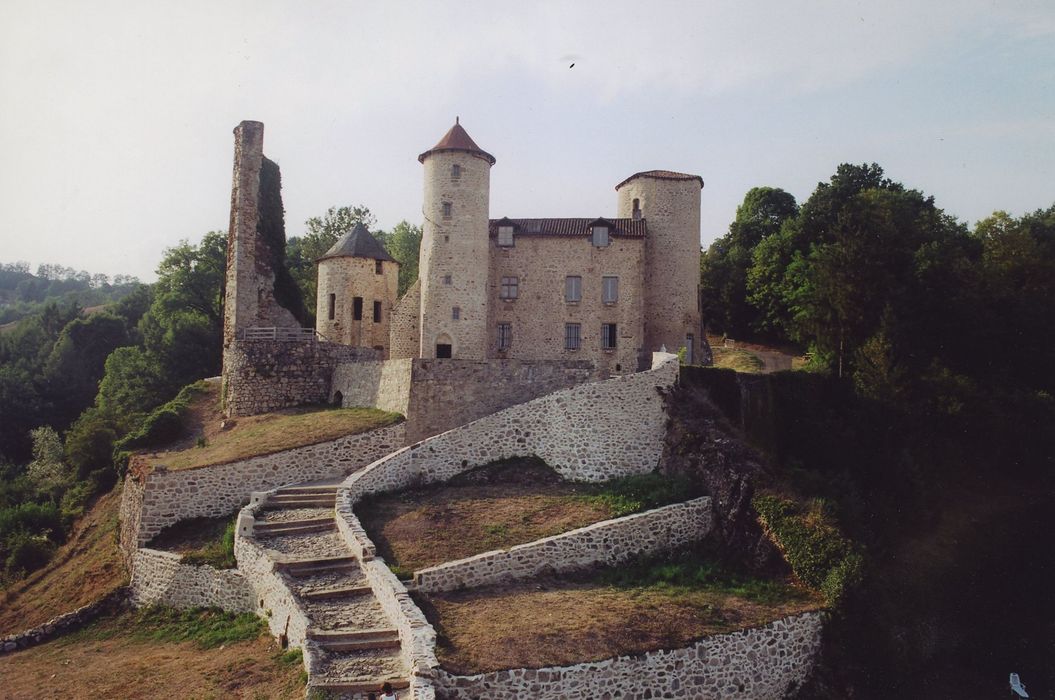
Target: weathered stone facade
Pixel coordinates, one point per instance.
(385, 385)
(339, 318)
(153, 500)
(160, 578)
(266, 375)
(761, 663)
(405, 324)
(610, 542)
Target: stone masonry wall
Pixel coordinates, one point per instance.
(274, 601)
(66, 622)
(130, 511)
(609, 542)
(266, 375)
(404, 325)
(587, 433)
(384, 385)
(170, 496)
(160, 578)
(762, 663)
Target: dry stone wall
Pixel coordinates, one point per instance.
(762, 663)
(593, 432)
(160, 578)
(404, 323)
(66, 622)
(266, 375)
(609, 542)
(384, 385)
(160, 497)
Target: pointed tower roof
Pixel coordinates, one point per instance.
(457, 139)
(358, 243)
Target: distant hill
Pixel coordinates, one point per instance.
(23, 293)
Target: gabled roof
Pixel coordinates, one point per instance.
(457, 139)
(619, 228)
(358, 243)
(662, 175)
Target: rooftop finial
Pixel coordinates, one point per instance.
(456, 120)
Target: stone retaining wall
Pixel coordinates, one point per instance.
(67, 622)
(593, 432)
(161, 579)
(384, 385)
(160, 497)
(273, 600)
(609, 542)
(761, 663)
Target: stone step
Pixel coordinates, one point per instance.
(307, 489)
(307, 567)
(351, 640)
(309, 501)
(351, 687)
(294, 527)
(336, 592)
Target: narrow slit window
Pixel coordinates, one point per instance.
(377, 312)
(456, 172)
(637, 209)
(333, 306)
(456, 313)
(357, 309)
(447, 210)
(378, 269)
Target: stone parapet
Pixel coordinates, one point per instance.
(761, 663)
(610, 542)
(160, 578)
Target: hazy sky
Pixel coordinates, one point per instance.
(116, 117)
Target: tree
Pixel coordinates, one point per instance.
(75, 365)
(404, 244)
(48, 471)
(322, 232)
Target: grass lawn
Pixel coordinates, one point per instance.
(734, 358)
(205, 443)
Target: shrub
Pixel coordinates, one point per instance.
(27, 553)
(640, 492)
(162, 426)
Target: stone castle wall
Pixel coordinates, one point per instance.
(347, 278)
(384, 385)
(609, 542)
(405, 324)
(266, 375)
(761, 663)
(159, 578)
(274, 601)
(162, 498)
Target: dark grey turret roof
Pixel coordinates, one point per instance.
(358, 243)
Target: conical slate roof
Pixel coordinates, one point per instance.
(358, 243)
(457, 139)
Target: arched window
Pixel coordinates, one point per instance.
(637, 209)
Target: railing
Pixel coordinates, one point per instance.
(281, 334)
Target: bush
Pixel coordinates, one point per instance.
(27, 553)
(162, 426)
(641, 492)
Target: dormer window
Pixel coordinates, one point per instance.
(456, 172)
(505, 236)
(600, 235)
(637, 209)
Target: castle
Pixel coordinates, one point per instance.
(607, 290)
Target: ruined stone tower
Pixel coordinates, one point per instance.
(358, 283)
(670, 204)
(454, 248)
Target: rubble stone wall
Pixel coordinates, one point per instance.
(761, 663)
(160, 578)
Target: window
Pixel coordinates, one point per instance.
(608, 336)
(456, 172)
(443, 350)
(446, 279)
(446, 210)
(505, 236)
(572, 337)
(690, 340)
(377, 267)
(600, 236)
(456, 313)
(357, 308)
(609, 290)
(377, 312)
(573, 289)
(505, 335)
(637, 209)
(509, 288)
(333, 306)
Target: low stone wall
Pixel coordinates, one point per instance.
(592, 432)
(67, 622)
(609, 542)
(130, 511)
(273, 600)
(761, 663)
(384, 385)
(161, 578)
(265, 375)
(159, 498)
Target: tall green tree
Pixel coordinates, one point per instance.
(321, 232)
(404, 244)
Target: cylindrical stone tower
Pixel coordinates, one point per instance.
(454, 248)
(669, 203)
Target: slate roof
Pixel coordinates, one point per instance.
(662, 175)
(358, 243)
(567, 228)
(457, 139)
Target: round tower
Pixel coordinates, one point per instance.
(357, 285)
(453, 268)
(669, 203)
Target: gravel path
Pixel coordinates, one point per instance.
(374, 664)
(287, 514)
(357, 612)
(313, 545)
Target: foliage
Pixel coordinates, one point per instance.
(163, 425)
(48, 472)
(28, 535)
(404, 244)
(816, 550)
(272, 229)
(23, 294)
(218, 553)
(640, 492)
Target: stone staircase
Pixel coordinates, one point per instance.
(353, 646)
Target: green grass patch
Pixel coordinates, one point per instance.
(692, 571)
(813, 546)
(640, 492)
(206, 628)
(218, 553)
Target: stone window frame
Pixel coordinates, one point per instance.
(505, 236)
(505, 335)
(609, 335)
(609, 289)
(377, 311)
(573, 289)
(357, 308)
(572, 336)
(636, 213)
(333, 307)
(509, 288)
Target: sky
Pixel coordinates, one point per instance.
(116, 117)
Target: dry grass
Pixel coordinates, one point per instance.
(83, 570)
(263, 434)
(114, 662)
(548, 622)
(736, 359)
(418, 528)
